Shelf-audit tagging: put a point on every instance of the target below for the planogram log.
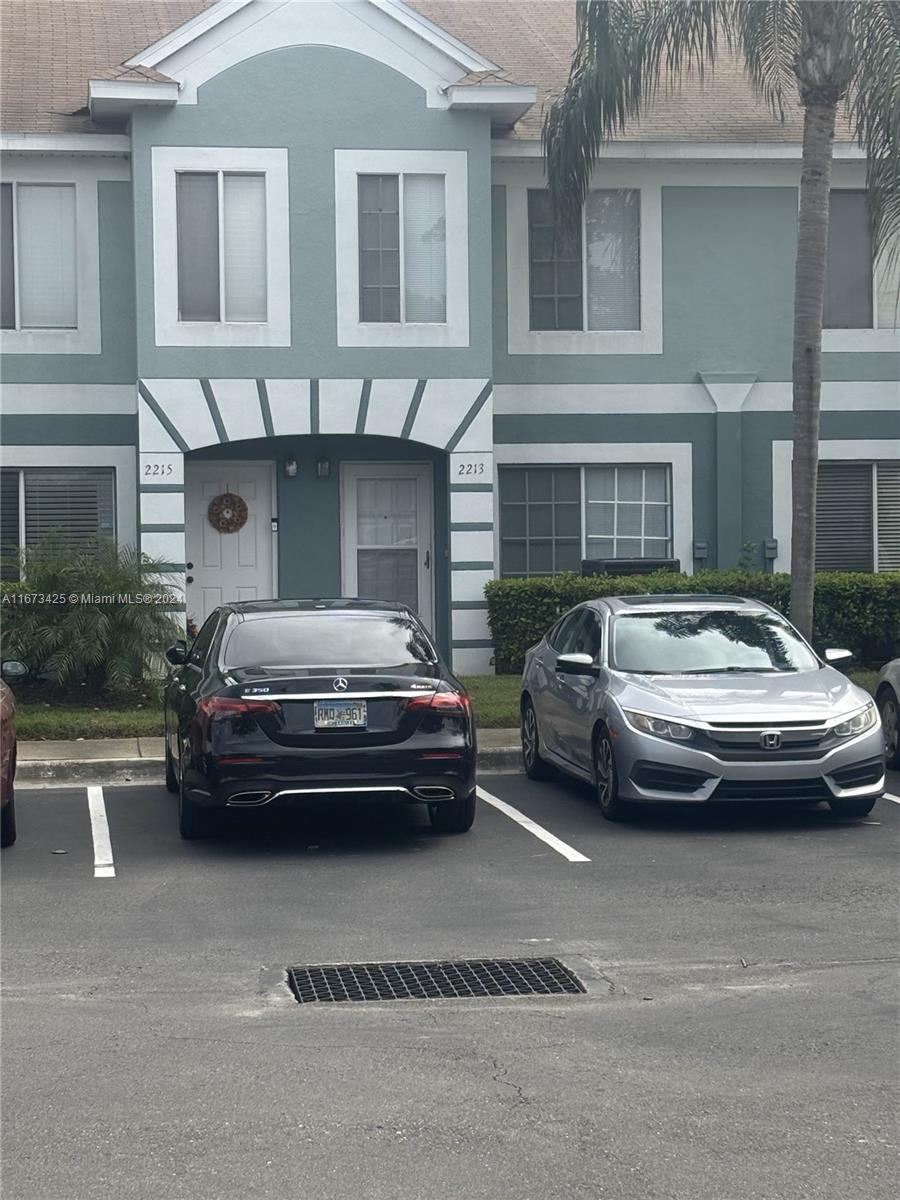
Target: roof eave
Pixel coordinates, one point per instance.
(115, 99)
(506, 103)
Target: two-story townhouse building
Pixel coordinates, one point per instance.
(301, 253)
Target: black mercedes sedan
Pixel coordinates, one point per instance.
(281, 701)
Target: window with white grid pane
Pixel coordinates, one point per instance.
(628, 512)
(401, 228)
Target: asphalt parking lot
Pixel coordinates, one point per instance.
(737, 1040)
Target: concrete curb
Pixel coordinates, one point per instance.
(35, 773)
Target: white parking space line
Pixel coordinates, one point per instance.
(538, 831)
(104, 867)
(888, 796)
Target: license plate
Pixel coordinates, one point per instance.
(339, 714)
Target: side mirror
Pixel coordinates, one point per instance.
(177, 654)
(13, 669)
(835, 658)
(576, 664)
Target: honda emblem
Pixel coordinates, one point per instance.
(770, 739)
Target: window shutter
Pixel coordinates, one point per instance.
(889, 516)
(77, 504)
(613, 225)
(197, 203)
(844, 517)
(424, 248)
(8, 303)
(46, 256)
(848, 263)
(245, 247)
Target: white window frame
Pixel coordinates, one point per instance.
(677, 456)
(872, 450)
(872, 340)
(348, 166)
(524, 340)
(121, 458)
(167, 163)
(84, 338)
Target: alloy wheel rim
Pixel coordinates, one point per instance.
(529, 736)
(603, 771)
(890, 726)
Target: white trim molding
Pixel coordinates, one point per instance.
(452, 164)
(774, 151)
(121, 458)
(117, 144)
(85, 176)
(523, 340)
(869, 449)
(678, 456)
(167, 162)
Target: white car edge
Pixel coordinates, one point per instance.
(887, 696)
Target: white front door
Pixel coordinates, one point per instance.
(387, 534)
(224, 567)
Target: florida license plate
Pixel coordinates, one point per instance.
(339, 714)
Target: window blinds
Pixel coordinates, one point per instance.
(612, 225)
(844, 517)
(78, 504)
(245, 247)
(45, 216)
(424, 248)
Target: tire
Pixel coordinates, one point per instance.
(193, 821)
(171, 776)
(453, 816)
(535, 767)
(606, 780)
(889, 707)
(852, 807)
(8, 821)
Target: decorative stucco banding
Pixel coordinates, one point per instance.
(176, 416)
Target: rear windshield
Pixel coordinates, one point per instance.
(685, 643)
(328, 639)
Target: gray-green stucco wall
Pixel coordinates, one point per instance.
(313, 100)
(728, 285)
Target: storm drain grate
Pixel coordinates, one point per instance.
(465, 979)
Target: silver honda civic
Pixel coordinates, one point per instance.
(656, 699)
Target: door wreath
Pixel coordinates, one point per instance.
(227, 513)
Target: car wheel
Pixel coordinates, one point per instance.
(852, 807)
(8, 821)
(606, 780)
(535, 766)
(889, 708)
(171, 776)
(193, 821)
(453, 816)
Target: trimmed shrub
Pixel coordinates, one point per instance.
(93, 614)
(853, 610)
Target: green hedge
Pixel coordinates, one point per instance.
(858, 611)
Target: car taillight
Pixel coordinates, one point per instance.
(214, 707)
(444, 701)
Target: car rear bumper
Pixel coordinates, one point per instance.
(654, 771)
(257, 786)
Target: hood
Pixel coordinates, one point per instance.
(765, 697)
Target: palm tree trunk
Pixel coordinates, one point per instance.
(809, 298)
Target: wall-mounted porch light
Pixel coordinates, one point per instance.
(323, 468)
(290, 467)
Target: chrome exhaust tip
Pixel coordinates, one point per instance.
(248, 799)
(434, 793)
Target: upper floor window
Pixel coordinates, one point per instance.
(402, 248)
(587, 278)
(38, 256)
(861, 309)
(221, 246)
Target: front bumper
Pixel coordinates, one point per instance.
(652, 770)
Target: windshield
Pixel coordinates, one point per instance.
(328, 639)
(685, 643)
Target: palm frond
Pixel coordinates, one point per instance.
(768, 35)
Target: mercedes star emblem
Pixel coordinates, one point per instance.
(340, 684)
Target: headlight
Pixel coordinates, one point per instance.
(658, 727)
(858, 723)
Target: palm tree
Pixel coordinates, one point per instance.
(828, 53)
